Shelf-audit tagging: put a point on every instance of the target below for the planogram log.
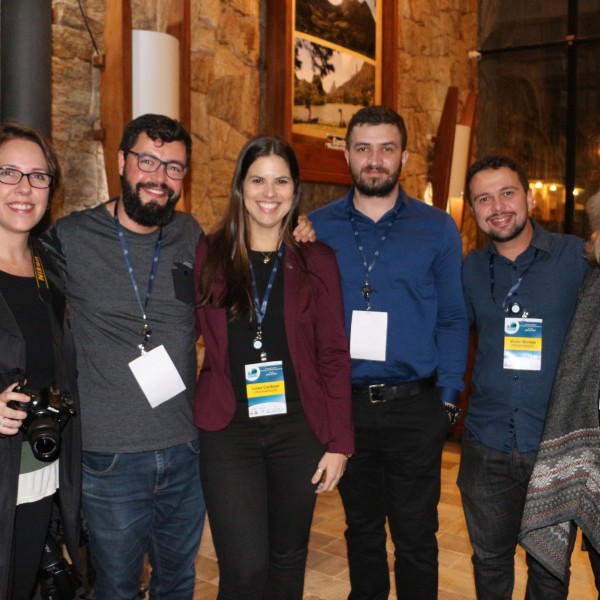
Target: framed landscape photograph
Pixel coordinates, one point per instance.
(326, 59)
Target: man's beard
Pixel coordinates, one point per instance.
(507, 236)
(151, 214)
(370, 186)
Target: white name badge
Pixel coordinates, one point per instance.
(265, 388)
(523, 344)
(157, 375)
(368, 335)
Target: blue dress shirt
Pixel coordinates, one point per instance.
(416, 279)
(507, 407)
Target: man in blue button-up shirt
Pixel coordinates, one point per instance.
(405, 315)
(521, 292)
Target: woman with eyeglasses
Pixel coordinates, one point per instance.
(273, 395)
(40, 461)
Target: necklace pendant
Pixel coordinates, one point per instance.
(266, 259)
(257, 343)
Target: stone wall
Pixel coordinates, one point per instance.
(433, 39)
(75, 106)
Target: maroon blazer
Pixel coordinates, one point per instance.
(318, 346)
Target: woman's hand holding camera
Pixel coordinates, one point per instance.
(10, 418)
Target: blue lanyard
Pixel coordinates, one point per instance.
(515, 308)
(146, 331)
(260, 308)
(367, 289)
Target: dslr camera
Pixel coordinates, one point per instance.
(47, 412)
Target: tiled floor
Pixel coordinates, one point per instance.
(327, 572)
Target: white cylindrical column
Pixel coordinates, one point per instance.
(155, 74)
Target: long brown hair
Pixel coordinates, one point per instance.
(230, 245)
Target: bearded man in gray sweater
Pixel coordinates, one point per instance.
(127, 269)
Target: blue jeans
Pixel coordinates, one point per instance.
(493, 486)
(138, 503)
(395, 474)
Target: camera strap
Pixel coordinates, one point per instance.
(39, 273)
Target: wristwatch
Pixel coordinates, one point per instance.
(453, 412)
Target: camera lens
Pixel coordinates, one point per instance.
(44, 437)
(45, 448)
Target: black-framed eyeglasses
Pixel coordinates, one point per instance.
(37, 179)
(150, 164)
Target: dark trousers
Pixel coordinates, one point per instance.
(493, 486)
(144, 502)
(256, 476)
(31, 528)
(595, 562)
(395, 474)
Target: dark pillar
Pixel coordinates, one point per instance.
(26, 63)
(571, 124)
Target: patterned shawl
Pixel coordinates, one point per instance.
(564, 488)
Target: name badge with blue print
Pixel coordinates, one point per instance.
(523, 344)
(265, 389)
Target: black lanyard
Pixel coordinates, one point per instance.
(367, 289)
(515, 309)
(260, 308)
(146, 331)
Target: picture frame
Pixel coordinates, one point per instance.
(301, 31)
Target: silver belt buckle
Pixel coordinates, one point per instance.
(375, 396)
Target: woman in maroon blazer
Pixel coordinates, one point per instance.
(273, 396)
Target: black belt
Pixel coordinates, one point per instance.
(381, 392)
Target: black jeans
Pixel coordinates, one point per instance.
(493, 486)
(395, 474)
(256, 478)
(595, 562)
(31, 528)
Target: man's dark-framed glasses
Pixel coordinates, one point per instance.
(37, 179)
(150, 164)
